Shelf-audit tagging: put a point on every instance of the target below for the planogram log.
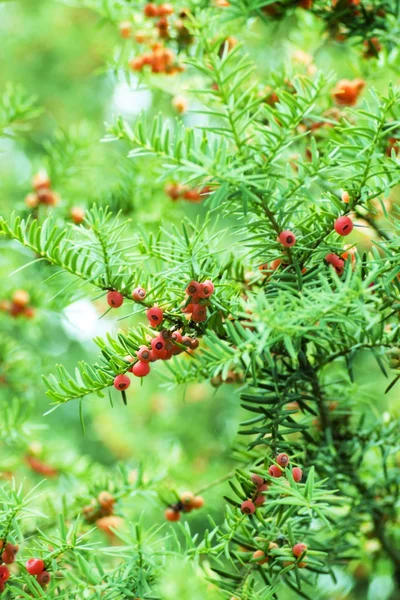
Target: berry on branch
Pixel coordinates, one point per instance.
(344, 225)
(122, 382)
(115, 299)
(282, 459)
(297, 474)
(247, 507)
(34, 566)
(43, 578)
(141, 369)
(139, 294)
(155, 316)
(275, 471)
(299, 549)
(287, 238)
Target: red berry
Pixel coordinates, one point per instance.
(176, 350)
(263, 488)
(43, 578)
(122, 382)
(187, 341)
(333, 259)
(259, 500)
(7, 558)
(247, 507)
(282, 459)
(141, 369)
(150, 10)
(115, 299)
(8, 555)
(143, 354)
(176, 336)
(139, 294)
(158, 346)
(192, 195)
(297, 474)
(172, 515)
(275, 471)
(336, 262)
(199, 313)
(287, 238)
(206, 289)
(11, 548)
(257, 480)
(260, 557)
(34, 566)
(299, 549)
(194, 343)
(194, 287)
(155, 316)
(4, 573)
(188, 309)
(343, 225)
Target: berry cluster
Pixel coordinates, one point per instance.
(187, 502)
(162, 13)
(197, 302)
(160, 59)
(249, 506)
(176, 192)
(36, 567)
(42, 194)
(262, 557)
(169, 342)
(342, 225)
(343, 18)
(19, 305)
(101, 512)
(162, 347)
(9, 552)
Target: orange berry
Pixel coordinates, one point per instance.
(165, 9)
(187, 498)
(106, 500)
(137, 64)
(180, 104)
(32, 200)
(260, 557)
(346, 92)
(198, 502)
(20, 298)
(151, 10)
(125, 29)
(299, 549)
(77, 214)
(41, 180)
(172, 515)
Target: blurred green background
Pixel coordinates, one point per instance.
(62, 54)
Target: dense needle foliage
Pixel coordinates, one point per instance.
(241, 234)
